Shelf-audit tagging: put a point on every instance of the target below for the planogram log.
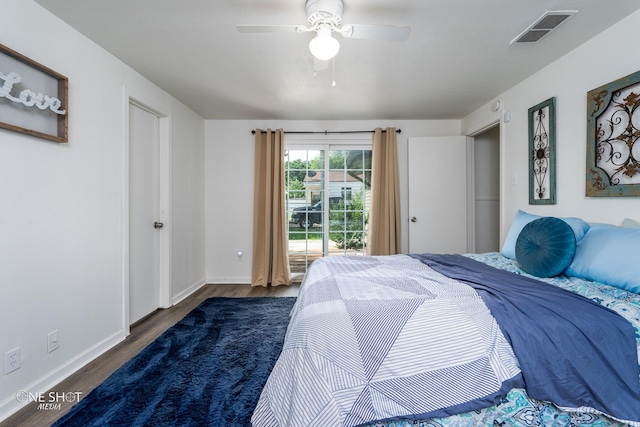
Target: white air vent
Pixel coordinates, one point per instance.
(543, 26)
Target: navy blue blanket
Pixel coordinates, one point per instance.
(572, 351)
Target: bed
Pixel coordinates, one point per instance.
(473, 339)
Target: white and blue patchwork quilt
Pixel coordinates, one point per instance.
(390, 341)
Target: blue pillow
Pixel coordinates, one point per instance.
(609, 255)
(545, 247)
(630, 223)
(522, 218)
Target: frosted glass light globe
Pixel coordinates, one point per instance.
(323, 46)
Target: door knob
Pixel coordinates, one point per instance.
(158, 224)
(414, 219)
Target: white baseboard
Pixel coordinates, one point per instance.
(11, 405)
(229, 280)
(191, 289)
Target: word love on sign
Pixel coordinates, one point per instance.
(23, 106)
(28, 97)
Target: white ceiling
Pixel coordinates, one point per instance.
(456, 59)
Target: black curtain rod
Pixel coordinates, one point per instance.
(327, 132)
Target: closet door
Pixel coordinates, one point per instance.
(144, 211)
(437, 194)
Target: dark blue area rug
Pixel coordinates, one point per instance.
(207, 370)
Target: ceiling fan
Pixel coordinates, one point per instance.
(325, 17)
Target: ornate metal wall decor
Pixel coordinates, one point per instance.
(613, 129)
(542, 153)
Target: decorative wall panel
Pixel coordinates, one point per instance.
(542, 153)
(613, 128)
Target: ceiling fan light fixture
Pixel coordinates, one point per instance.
(323, 46)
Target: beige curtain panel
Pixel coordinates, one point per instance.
(270, 252)
(384, 217)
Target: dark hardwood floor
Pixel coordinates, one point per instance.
(142, 333)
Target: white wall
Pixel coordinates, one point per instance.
(61, 231)
(229, 174)
(599, 61)
(188, 195)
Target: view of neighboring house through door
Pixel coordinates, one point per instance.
(328, 194)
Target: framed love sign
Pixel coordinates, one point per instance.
(33, 98)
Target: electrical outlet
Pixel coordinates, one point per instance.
(12, 360)
(53, 341)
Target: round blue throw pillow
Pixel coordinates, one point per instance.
(545, 247)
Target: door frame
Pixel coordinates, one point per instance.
(471, 193)
(164, 188)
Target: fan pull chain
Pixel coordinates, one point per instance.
(333, 83)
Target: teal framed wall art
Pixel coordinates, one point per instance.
(613, 129)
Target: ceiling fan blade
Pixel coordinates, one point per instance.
(269, 28)
(376, 32)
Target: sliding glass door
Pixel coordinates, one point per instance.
(328, 198)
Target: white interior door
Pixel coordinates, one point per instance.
(144, 212)
(438, 194)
